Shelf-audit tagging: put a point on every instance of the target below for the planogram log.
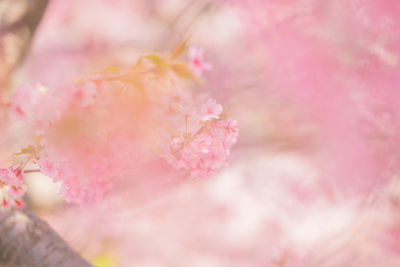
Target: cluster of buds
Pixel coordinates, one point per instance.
(12, 188)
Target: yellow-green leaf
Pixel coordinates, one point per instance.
(138, 64)
(111, 70)
(179, 49)
(27, 150)
(157, 60)
(104, 259)
(182, 70)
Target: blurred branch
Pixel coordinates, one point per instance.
(182, 24)
(26, 240)
(18, 22)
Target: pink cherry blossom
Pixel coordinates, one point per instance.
(5, 203)
(12, 188)
(197, 61)
(23, 99)
(210, 110)
(12, 176)
(84, 94)
(231, 132)
(18, 191)
(20, 204)
(48, 168)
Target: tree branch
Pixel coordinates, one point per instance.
(18, 22)
(27, 241)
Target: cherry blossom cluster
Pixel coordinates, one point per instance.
(205, 144)
(12, 188)
(97, 130)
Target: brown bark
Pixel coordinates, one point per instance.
(27, 241)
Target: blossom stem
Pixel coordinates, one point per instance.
(32, 170)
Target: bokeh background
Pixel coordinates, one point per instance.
(314, 177)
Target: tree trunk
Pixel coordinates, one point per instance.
(27, 241)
